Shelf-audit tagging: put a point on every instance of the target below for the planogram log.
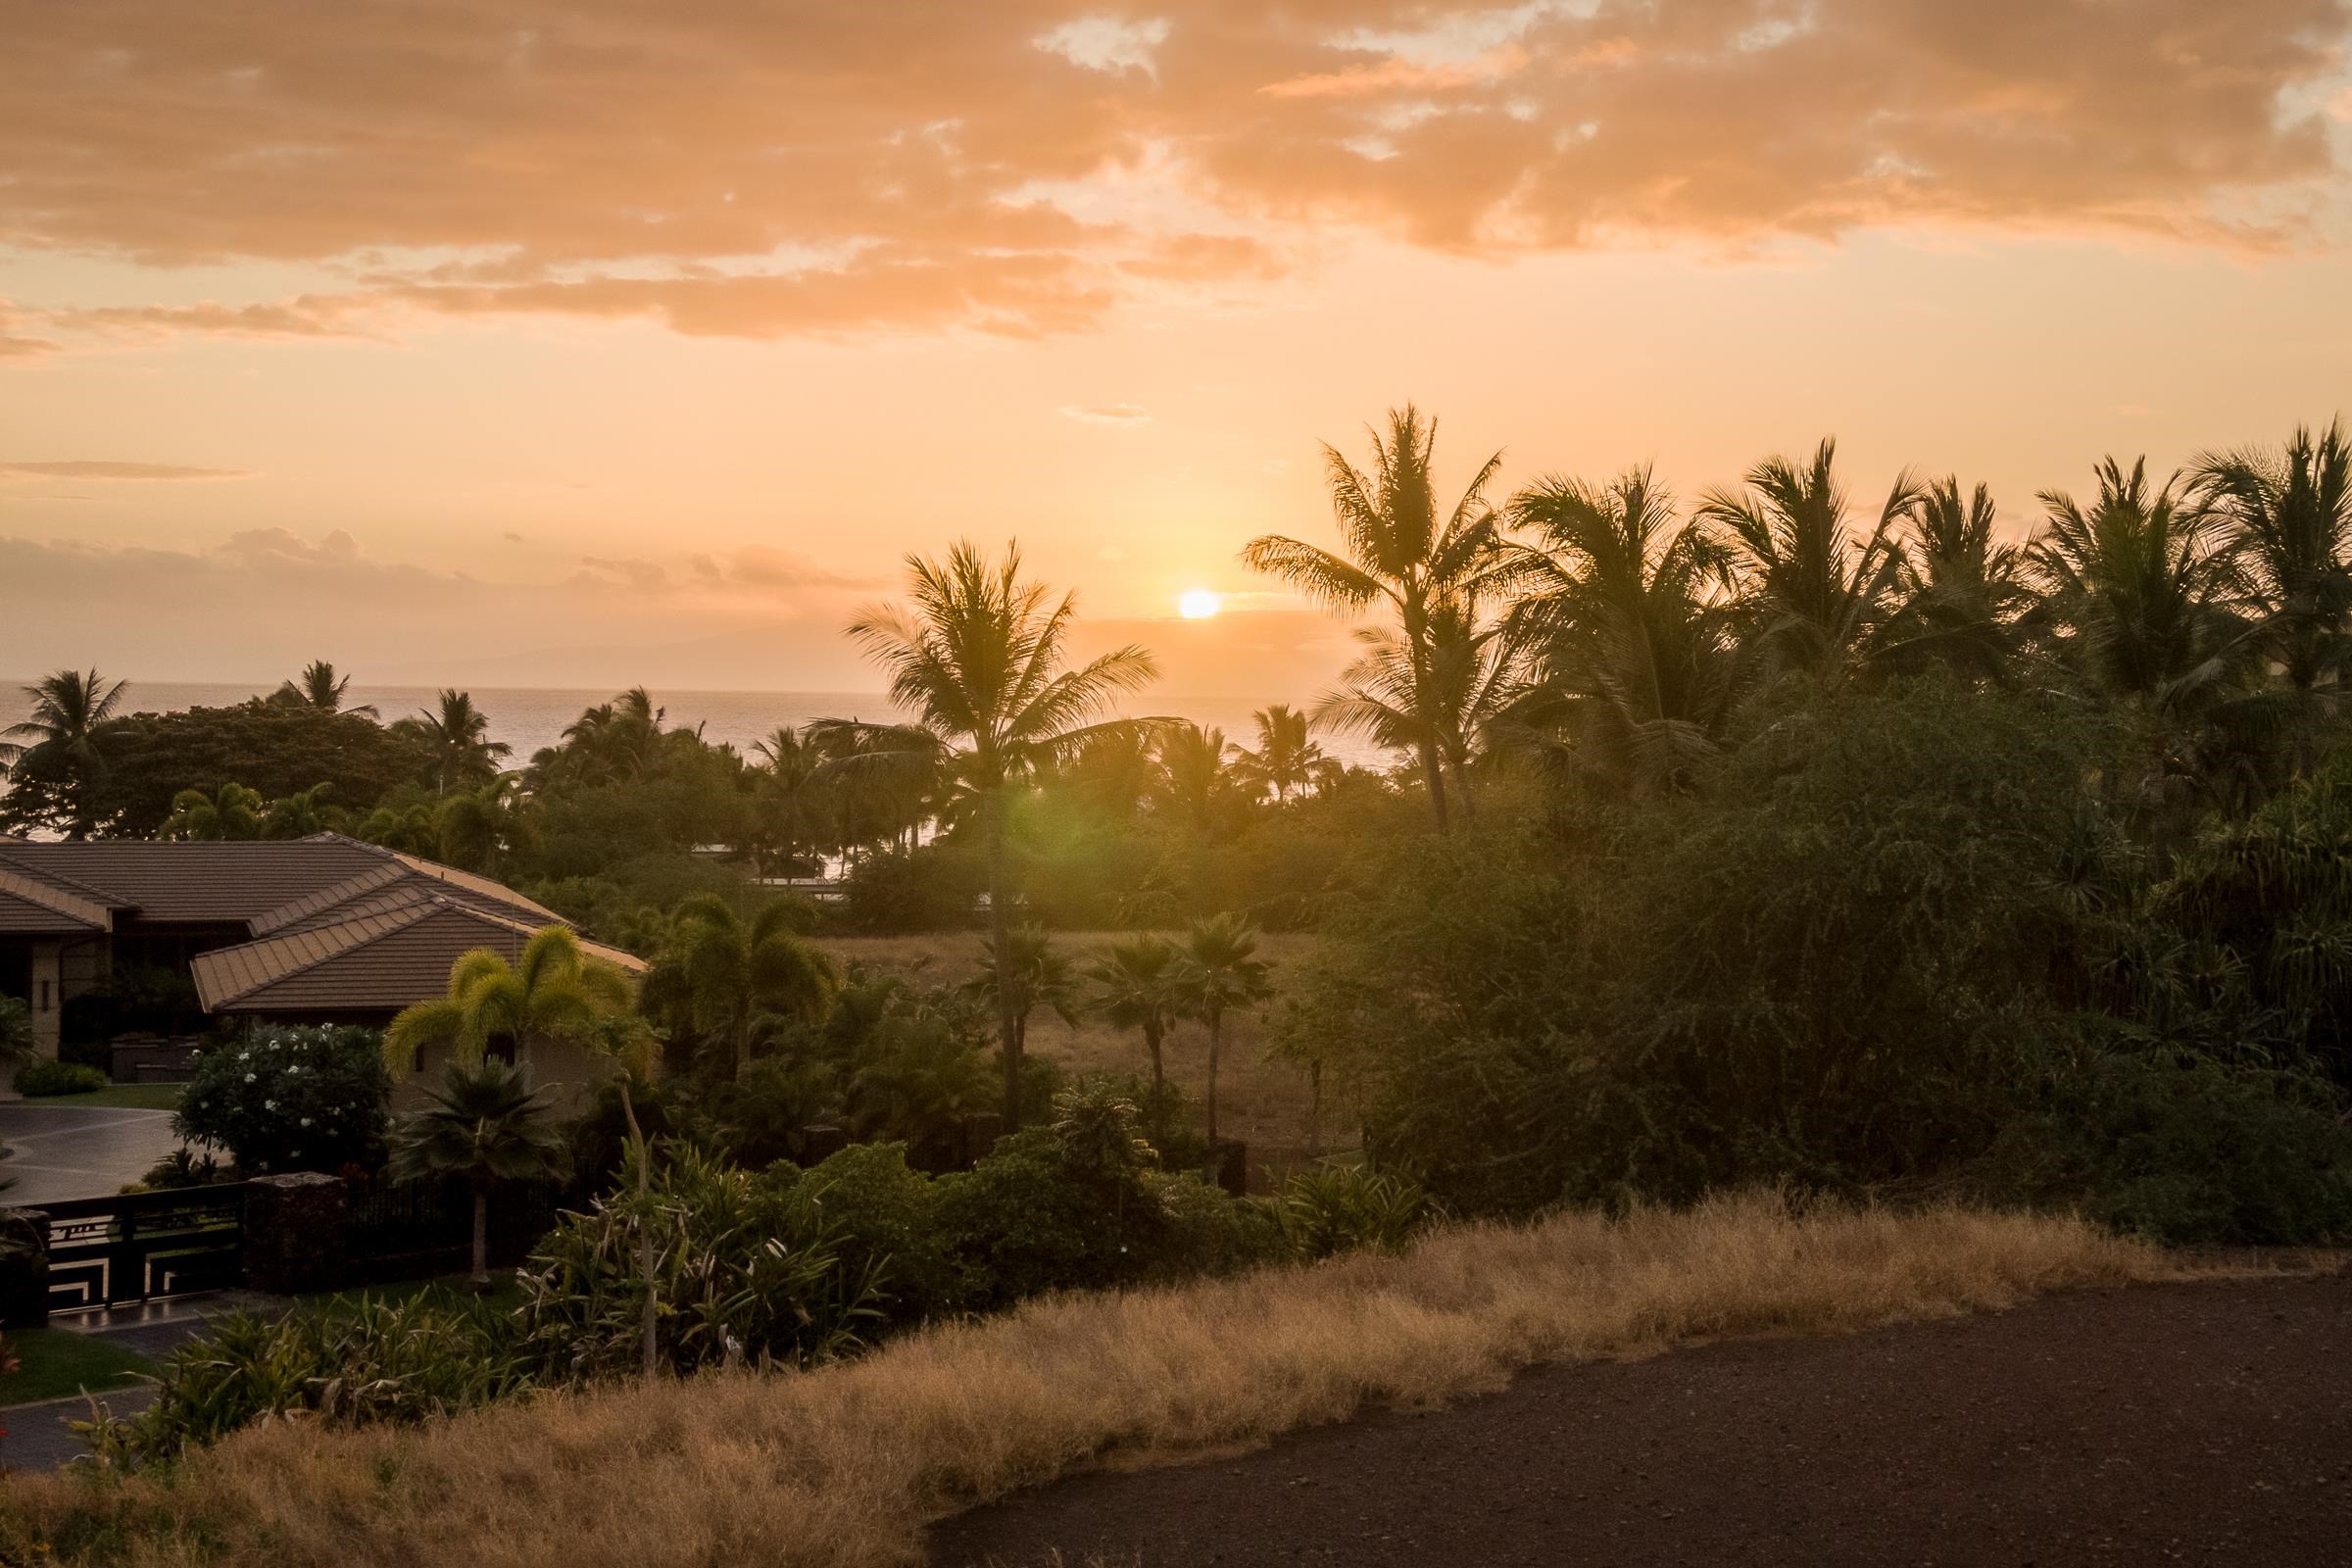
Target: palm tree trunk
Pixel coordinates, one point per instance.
(645, 1222)
(482, 1239)
(1151, 1032)
(1217, 1039)
(999, 923)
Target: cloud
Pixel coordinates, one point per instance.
(116, 471)
(1106, 413)
(844, 169)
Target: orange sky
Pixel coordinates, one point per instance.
(525, 342)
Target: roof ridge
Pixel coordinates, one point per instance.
(359, 883)
(39, 872)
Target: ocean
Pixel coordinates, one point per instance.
(529, 719)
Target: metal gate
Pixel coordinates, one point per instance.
(110, 1252)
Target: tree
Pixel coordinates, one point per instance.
(1137, 986)
(1813, 595)
(487, 1124)
(300, 815)
(736, 980)
(319, 687)
(232, 811)
(793, 806)
(1220, 970)
(1631, 631)
(554, 990)
(474, 829)
(980, 656)
(456, 736)
(1464, 689)
(1961, 592)
(1195, 783)
(1023, 972)
(1400, 555)
(69, 707)
(1286, 753)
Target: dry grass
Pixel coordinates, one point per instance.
(1264, 1103)
(845, 1465)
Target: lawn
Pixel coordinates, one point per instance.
(120, 1097)
(53, 1363)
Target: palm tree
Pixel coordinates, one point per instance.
(232, 811)
(1286, 755)
(1961, 592)
(456, 736)
(1814, 595)
(737, 980)
(319, 687)
(1135, 987)
(554, 992)
(1220, 970)
(1194, 781)
(1401, 555)
(1022, 972)
(474, 828)
(487, 1124)
(2289, 515)
(68, 708)
(1466, 689)
(980, 656)
(300, 814)
(1624, 606)
(792, 805)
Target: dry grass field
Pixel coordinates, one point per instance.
(846, 1465)
(1264, 1103)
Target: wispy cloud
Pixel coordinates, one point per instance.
(116, 471)
(1106, 413)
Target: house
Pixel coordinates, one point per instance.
(322, 929)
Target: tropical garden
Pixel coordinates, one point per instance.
(1876, 849)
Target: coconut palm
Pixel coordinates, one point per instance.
(300, 814)
(1814, 595)
(319, 687)
(737, 981)
(69, 707)
(1218, 972)
(1633, 631)
(1194, 781)
(794, 811)
(1286, 753)
(486, 1124)
(1401, 555)
(232, 811)
(1961, 592)
(2289, 518)
(554, 992)
(474, 828)
(1466, 687)
(1135, 987)
(980, 655)
(456, 736)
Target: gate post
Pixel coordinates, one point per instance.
(25, 1270)
(296, 1227)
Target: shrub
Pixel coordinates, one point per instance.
(1339, 1208)
(289, 1099)
(891, 891)
(886, 1224)
(43, 1078)
(183, 1168)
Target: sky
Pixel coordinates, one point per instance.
(586, 342)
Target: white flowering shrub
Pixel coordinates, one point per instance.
(288, 1098)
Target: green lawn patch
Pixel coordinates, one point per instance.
(122, 1097)
(55, 1362)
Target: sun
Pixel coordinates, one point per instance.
(1197, 604)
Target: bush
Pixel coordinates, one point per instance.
(1341, 1207)
(886, 1222)
(289, 1099)
(892, 892)
(40, 1079)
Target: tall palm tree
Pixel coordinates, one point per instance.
(1961, 591)
(319, 687)
(1135, 987)
(737, 980)
(980, 655)
(1400, 555)
(793, 805)
(2289, 517)
(1195, 782)
(68, 708)
(1465, 689)
(232, 812)
(1813, 593)
(1219, 970)
(1625, 606)
(487, 1124)
(456, 736)
(1285, 756)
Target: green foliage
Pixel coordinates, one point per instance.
(1339, 1208)
(933, 888)
(887, 1226)
(40, 1079)
(285, 1099)
(16, 1028)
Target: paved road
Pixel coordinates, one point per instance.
(2197, 1423)
(77, 1152)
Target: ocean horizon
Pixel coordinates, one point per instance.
(530, 719)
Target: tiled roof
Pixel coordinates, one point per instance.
(29, 904)
(381, 960)
(204, 883)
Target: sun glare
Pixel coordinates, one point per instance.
(1197, 604)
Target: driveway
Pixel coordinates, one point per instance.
(56, 1153)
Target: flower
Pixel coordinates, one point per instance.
(269, 1105)
(250, 1077)
(306, 1122)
